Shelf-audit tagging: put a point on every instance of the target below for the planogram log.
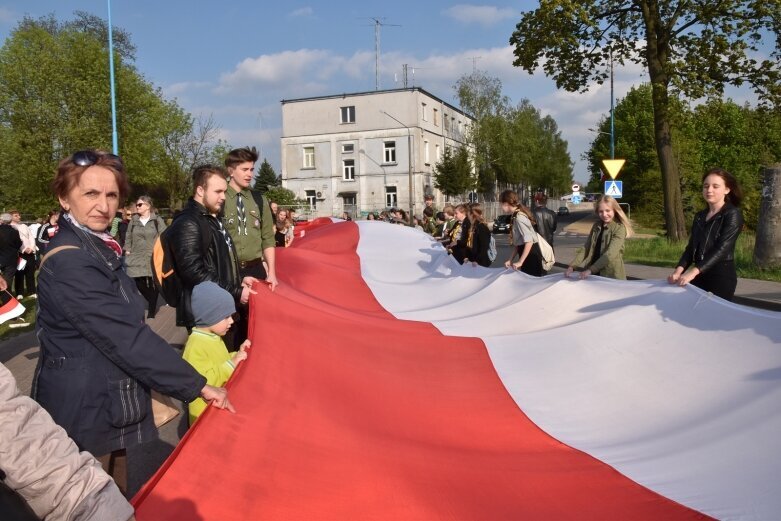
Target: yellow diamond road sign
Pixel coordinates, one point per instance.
(613, 166)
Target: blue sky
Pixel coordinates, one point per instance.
(236, 60)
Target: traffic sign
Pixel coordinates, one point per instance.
(614, 189)
(576, 187)
(575, 199)
(613, 166)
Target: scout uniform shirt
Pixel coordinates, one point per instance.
(252, 234)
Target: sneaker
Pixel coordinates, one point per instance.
(34, 295)
(19, 297)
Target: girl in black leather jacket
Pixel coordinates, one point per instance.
(709, 259)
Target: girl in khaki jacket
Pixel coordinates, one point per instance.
(603, 252)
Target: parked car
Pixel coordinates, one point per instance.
(502, 224)
(563, 210)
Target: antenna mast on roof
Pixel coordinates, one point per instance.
(378, 22)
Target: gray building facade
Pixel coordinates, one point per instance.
(354, 152)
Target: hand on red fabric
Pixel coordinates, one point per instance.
(217, 396)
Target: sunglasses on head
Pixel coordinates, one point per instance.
(139, 205)
(90, 157)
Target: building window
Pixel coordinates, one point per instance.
(348, 114)
(311, 199)
(389, 151)
(348, 169)
(309, 157)
(437, 154)
(390, 196)
(425, 112)
(425, 152)
(436, 118)
(445, 122)
(348, 200)
(348, 148)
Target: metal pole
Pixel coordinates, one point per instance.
(612, 110)
(114, 140)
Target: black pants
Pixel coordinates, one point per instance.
(148, 290)
(533, 263)
(24, 280)
(240, 327)
(721, 280)
(8, 273)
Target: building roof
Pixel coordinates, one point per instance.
(373, 92)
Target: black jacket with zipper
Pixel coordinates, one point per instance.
(713, 242)
(194, 264)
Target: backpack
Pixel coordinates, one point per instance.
(548, 259)
(492, 249)
(164, 276)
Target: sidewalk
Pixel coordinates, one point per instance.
(750, 292)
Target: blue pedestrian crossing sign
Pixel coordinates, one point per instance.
(614, 189)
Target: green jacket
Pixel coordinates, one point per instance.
(611, 261)
(260, 230)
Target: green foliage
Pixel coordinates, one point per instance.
(283, 197)
(55, 99)
(453, 173)
(695, 48)
(512, 145)
(713, 134)
(267, 178)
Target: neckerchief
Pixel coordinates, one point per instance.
(107, 239)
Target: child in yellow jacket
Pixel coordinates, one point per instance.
(205, 350)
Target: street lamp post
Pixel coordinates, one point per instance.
(612, 112)
(409, 157)
(114, 140)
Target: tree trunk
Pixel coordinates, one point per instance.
(767, 251)
(657, 59)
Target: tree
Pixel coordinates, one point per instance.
(717, 133)
(54, 100)
(453, 173)
(692, 46)
(267, 178)
(512, 145)
(283, 197)
(187, 144)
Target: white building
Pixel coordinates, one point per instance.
(351, 152)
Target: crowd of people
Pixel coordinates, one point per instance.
(100, 361)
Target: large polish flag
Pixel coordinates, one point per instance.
(386, 381)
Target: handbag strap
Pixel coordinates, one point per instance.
(55, 250)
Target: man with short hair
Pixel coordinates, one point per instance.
(202, 247)
(547, 220)
(428, 201)
(24, 280)
(249, 218)
(10, 242)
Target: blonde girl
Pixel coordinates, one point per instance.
(603, 252)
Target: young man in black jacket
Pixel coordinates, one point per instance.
(547, 220)
(202, 247)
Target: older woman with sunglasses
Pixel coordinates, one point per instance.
(98, 359)
(142, 230)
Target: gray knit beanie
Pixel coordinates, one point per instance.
(211, 304)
